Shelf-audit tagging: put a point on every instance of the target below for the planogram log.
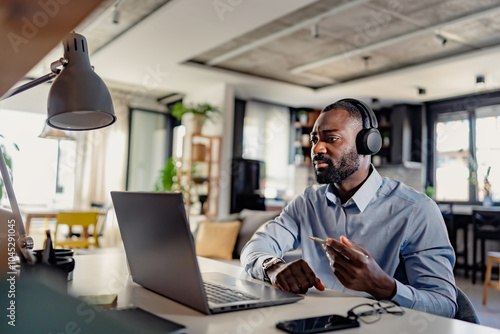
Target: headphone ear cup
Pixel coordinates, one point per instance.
(368, 141)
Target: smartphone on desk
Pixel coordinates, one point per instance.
(319, 324)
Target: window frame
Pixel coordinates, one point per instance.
(466, 103)
(170, 124)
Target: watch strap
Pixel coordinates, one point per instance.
(268, 263)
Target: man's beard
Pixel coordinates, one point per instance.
(347, 166)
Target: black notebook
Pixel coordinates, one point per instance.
(145, 322)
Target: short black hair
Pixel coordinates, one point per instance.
(355, 114)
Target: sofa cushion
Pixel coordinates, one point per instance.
(251, 220)
(217, 239)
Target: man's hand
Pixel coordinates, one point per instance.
(357, 270)
(296, 276)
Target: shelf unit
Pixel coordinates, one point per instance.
(303, 125)
(402, 136)
(201, 169)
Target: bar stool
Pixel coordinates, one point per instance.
(488, 283)
(452, 226)
(486, 227)
(446, 209)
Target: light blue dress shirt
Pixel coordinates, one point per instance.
(386, 218)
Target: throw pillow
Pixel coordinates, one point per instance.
(217, 240)
(230, 218)
(251, 220)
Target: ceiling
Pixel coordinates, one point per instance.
(296, 52)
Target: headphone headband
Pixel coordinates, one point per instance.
(368, 140)
(363, 108)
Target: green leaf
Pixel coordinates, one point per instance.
(165, 180)
(205, 109)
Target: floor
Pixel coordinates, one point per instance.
(489, 314)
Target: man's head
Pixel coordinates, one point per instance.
(334, 152)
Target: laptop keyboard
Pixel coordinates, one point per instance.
(219, 294)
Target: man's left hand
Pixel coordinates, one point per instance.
(357, 270)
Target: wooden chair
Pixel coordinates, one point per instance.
(488, 283)
(83, 219)
(486, 224)
(103, 210)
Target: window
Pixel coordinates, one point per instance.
(36, 164)
(488, 152)
(467, 155)
(150, 146)
(266, 137)
(452, 157)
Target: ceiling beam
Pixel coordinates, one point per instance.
(319, 78)
(419, 24)
(416, 67)
(391, 41)
(285, 32)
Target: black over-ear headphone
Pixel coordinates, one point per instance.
(368, 140)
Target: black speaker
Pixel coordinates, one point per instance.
(368, 140)
(246, 181)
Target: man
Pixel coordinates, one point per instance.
(383, 238)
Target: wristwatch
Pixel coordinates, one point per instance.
(268, 263)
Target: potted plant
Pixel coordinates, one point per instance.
(167, 180)
(303, 117)
(487, 201)
(200, 112)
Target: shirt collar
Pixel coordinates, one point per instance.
(363, 196)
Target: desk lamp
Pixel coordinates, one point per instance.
(78, 98)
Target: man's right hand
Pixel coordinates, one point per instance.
(296, 276)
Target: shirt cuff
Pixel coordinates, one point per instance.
(404, 295)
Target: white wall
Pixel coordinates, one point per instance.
(222, 96)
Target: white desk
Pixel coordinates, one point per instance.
(108, 273)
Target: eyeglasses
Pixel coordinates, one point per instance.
(370, 313)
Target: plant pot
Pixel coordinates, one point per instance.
(197, 123)
(199, 152)
(487, 201)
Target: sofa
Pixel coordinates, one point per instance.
(224, 238)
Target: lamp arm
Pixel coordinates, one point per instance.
(24, 242)
(8, 186)
(29, 85)
(36, 82)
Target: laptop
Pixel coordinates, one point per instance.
(161, 254)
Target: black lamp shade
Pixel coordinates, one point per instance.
(79, 98)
